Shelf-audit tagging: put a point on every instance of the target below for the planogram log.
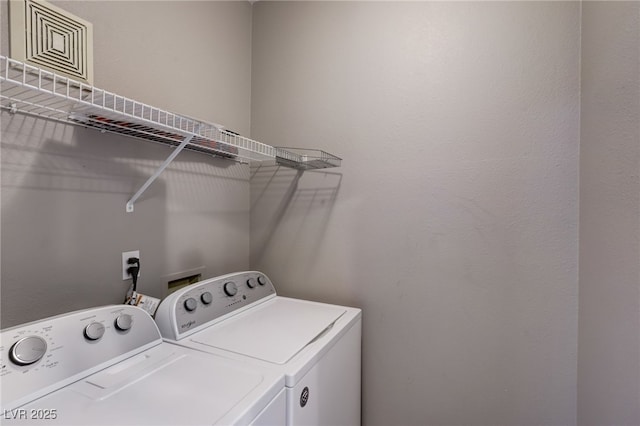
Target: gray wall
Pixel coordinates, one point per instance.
(454, 222)
(609, 349)
(64, 188)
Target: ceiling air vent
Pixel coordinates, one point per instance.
(51, 38)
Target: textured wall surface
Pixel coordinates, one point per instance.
(453, 222)
(609, 338)
(64, 188)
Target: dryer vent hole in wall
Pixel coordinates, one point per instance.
(179, 283)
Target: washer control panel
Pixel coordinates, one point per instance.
(53, 352)
(210, 301)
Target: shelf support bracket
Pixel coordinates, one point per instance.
(158, 172)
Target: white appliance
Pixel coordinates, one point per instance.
(109, 366)
(317, 346)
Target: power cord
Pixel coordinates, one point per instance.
(133, 270)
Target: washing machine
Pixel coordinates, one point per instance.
(109, 366)
(316, 346)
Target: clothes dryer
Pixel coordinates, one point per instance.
(109, 366)
(316, 346)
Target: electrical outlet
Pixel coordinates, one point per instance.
(125, 256)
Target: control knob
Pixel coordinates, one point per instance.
(230, 289)
(124, 322)
(206, 298)
(190, 304)
(28, 350)
(251, 282)
(262, 280)
(94, 331)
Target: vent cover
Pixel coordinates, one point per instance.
(52, 38)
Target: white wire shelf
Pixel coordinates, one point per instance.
(35, 91)
(306, 159)
(32, 90)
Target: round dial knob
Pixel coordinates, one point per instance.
(190, 304)
(262, 280)
(206, 298)
(230, 289)
(28, 350)
(94, 331)
(251, 282)
(124, 322)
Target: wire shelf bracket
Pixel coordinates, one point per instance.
(158, 172)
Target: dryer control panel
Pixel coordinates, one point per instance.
(202, 304)
(45, 355)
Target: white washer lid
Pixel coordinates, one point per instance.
(274, 331)
(165, 385)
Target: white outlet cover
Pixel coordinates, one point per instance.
(125, 256)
